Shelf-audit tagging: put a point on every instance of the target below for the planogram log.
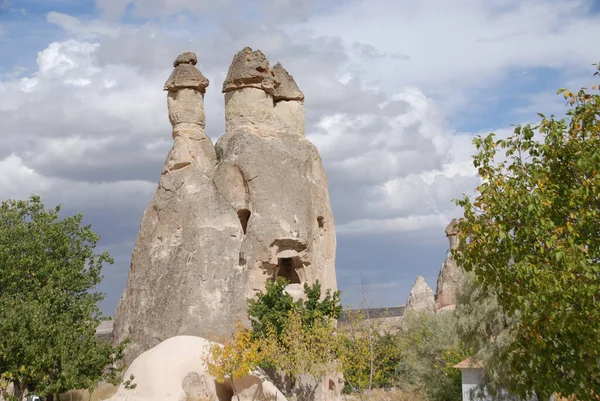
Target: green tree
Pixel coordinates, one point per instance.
(270, 310)
(485, 329)
(300, 350)
(429, 347)
(367, 356)
(532, 234)
(48, 309)
(293, 338)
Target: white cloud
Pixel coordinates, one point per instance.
(453, 46)
(86, 29)
(94, 107)
(70, 57)
(400, 162)
(19, 181)
(114, 9)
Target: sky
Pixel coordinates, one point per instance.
(395, 92)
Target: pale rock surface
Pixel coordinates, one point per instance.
(183, 278)
(449, 278)
(421, 297)
(269, 171)
(227, 218)
(174, 371)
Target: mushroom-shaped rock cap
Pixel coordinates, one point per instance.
(250, 69)
(185, 75)
(186, 58)
(288, 89)
(452, 228)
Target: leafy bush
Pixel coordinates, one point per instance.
(429, 348)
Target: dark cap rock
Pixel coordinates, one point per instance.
(186, 75)
(452, 228)
(186, 58)
(250, 69)
(288, 89)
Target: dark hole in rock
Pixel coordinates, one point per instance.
(244, 216)
(224, 391)
(321, 221)
(331, 385)
(287, 270)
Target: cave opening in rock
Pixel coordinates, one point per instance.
(287, 269)
(224, 391)
(321, 221)
(244, 216)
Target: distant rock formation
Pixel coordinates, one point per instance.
(421, 297)
(449, 278)
(227, 218)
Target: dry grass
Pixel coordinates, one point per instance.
(102, 392)
(392, 395)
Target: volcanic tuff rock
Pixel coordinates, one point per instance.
(449, 278)
(420, 297)
(174, 371)
(227, 218)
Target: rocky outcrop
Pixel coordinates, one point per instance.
(227, 218)
(174, 370)
(449, 278)
(421, 297)
(274, 178)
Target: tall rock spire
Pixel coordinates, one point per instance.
(449, 278)
(270, 172)
(182, 279)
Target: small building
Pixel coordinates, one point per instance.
(471, 374)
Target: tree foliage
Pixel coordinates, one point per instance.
(270, 310)
(368, 357)
(429, 347)
(294, 337)
(48, 308)
(301, 349)
(234, 359)
(485, 329)
(532, 234)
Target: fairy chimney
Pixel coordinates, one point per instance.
(449, 278)
(227, 218)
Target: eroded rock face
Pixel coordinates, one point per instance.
(174, 370)
(421, 297)
(274, 178)
(448, 282)
(227, 218)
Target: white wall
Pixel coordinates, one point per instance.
(470, 381)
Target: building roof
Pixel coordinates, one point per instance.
(469, 364)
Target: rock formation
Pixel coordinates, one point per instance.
(174, 370)
(421, 297)
(448, 281)
(227, 218)
(274, 178)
